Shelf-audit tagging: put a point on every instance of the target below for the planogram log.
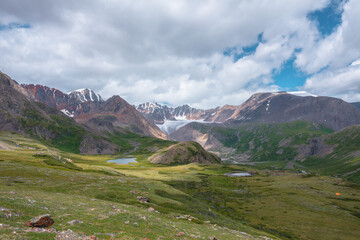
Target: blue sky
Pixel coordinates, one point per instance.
(202, 53)
(289, 77)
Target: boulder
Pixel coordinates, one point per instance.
(41, 221)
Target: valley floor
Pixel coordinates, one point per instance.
(184, 202)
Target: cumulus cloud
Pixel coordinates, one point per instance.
(342, 83)
(336, 50)
(166, 51)
(334, 60)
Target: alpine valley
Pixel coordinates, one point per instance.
(283, 165)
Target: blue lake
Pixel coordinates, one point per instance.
(238, 174)
(122, 160)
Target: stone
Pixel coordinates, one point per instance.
(73, 222)
(41, 221)
(142, 199)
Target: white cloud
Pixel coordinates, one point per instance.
(166, 51)
(338, 49)
(342, 83)
(334, 60)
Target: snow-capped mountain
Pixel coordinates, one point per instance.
(85, 95)
(160, 113)
(55, 98)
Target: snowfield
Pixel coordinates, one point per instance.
(171, 126)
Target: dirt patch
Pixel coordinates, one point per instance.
(6, 146)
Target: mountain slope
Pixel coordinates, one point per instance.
(253, 142)
(85, 104)
(125, 115)
(336, 154)
(265, 107)
(282, 107)
(296, 144)
(20, 114)
(356, 104)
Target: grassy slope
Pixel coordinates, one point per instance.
(65, 134)
(345, 159)
(285, 204)
(265, 138)
(266, 143)
(184, 153)
(30, 186)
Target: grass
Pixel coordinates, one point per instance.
(345, 158)
(277, 204)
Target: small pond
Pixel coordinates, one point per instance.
(238, 174)
(123, 160)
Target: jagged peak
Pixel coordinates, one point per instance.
(46, 88)
(86, 94)
(150, 104)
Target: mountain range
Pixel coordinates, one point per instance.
(265, 107)
(84, 106)
(83, 121)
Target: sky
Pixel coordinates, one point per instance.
(204, 53)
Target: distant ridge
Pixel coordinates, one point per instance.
(266, 107)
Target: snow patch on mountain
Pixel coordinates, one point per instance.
(171, 126)
(85, 95)
(302, 94)
(66, 112)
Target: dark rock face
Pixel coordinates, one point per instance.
(41, 221)
(356, 104)
(49, 96)
(90, 145)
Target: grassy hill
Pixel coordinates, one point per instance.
(344, 160)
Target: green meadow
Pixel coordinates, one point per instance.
(190, 201)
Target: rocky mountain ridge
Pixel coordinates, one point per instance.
(158, 113)
(85, 104)
(279, 107)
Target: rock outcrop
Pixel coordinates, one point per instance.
(41, 221)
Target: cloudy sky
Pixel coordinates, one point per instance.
(204, 53)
